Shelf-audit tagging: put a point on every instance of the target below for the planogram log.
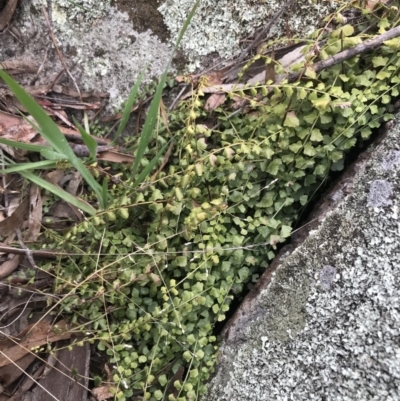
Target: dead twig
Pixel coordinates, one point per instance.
(259, 38)
(363, 47)
(28, 252)
(172, 107)
(241, 55)
(60, 56)
(40, 253)
(165, 160)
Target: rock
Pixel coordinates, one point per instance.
(325, 322)
(219, 26)
(106, 44)
(99, 43)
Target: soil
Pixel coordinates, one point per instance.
(145, 15)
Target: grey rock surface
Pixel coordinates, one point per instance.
(106, 49)
(99, 43)
(327, 326)
(218, 26)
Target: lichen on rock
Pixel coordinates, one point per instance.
(219, 26)
(99, 44)
(312, 343)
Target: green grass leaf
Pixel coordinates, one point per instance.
(128, 106)
(29, 166)
(151, 119)
(64, 195)
(148, 169)
(87, 139)
(23, 146)
(52, 134)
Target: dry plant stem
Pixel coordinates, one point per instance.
(172, 107)
(39, 70)
(265, 30)
(165, 160)
(23, 310)
(243, 53)
(41, 254)
(60, 56)
(28, 252)
(7, 13)
(369, 44)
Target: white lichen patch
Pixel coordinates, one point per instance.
(218, 26)
(84, 9)
(98, 42)
(331, 323)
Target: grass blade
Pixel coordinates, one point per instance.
(64, 195)
(29, 166)
(151, 118)
(52, 134)
(87, 139)
(51, 155)
(128, 106)
(23, 146)
(149, 168)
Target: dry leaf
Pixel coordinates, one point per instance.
(102, 393)
(33, 336)
(372, 3)
(75, 180)
(114, 156)
(7, 267)
(213, 159)
(214, 101)
(191, 78)
(55, 176)
(19, 66)
(238, 102)
(35, 214)
(17, 129)
(15, 221)
(63, 210)
(215, 78)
